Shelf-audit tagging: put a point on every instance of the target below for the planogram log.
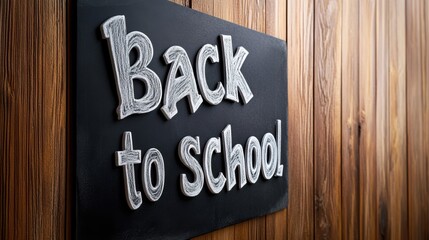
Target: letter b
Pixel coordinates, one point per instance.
(120, 45)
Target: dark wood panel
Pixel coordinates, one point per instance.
(33, 119)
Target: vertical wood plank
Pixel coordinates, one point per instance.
(5, 119)
(252, 229)
(275, 18)
(282, 9)
(381, 113)
(367, 160)
(275, 25)
(397, 186)
(33, 119)
(350, 119)
(327, 119)
(224, 9)
(417, 52)
(250, 14)
(300, 33)
(205, 6)
(390, 120)
(383, 129)
(276, 225)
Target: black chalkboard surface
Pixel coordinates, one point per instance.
(102, 210)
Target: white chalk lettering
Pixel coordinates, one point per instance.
(255, 160)
(176, 88)
(213, 97)
(153, 157)
(191, 189)
(127, 158)
(120, 46)
(215, 184)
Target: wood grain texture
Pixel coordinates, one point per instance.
(250, 14)
(367, 121)
(381, 114)
(350, 120)
(327, 119)
(276, 225)
(397, 166)
(300, 39)
(417, 61)
(275, 18)
(33, 119)
(391, 121)
(275, 25)
(204, 6)
(358, 97)
(224, 9)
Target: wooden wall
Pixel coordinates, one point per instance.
(34, 203)
(358, 82)
(358, 98)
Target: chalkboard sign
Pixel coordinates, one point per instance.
(180, 121)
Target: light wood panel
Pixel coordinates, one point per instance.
(250, 14)
(382, 110)
(275, 25)
(300, 39)
(205, 6)
(275, 18)
(327, 119)
(397, 165)
(224, 9)
(390, 120)
(350, 120)
(33, 111)
(417, 51)
(367, 122)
